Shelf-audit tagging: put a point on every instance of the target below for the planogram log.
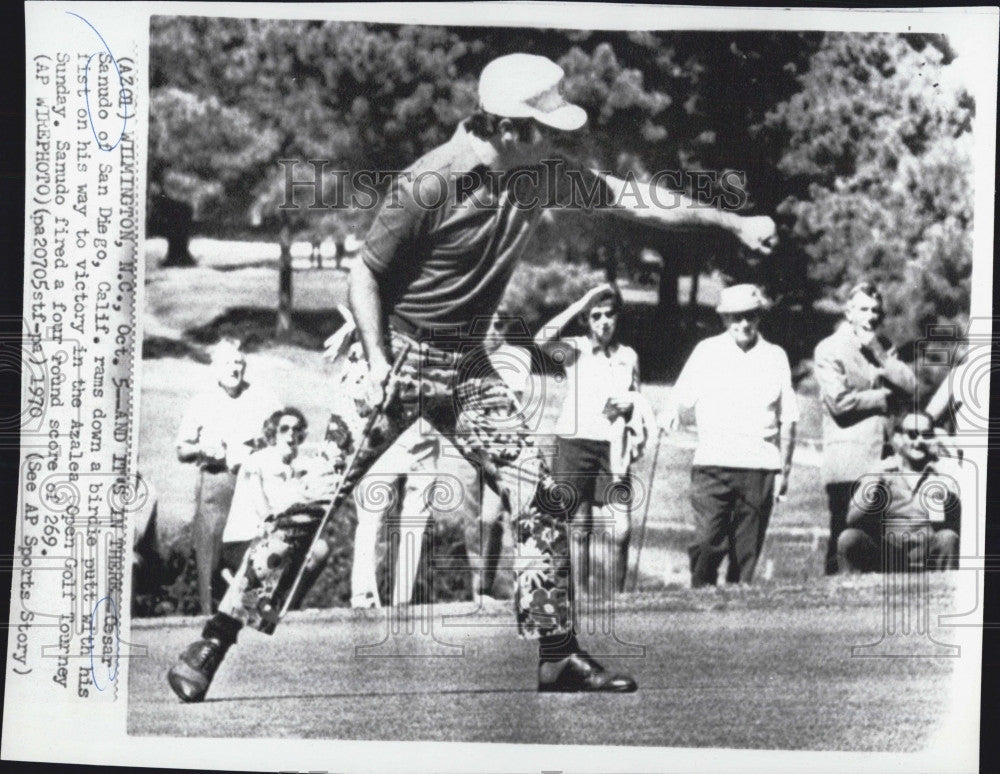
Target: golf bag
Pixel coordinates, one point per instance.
(261, 587)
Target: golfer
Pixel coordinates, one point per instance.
(437, 260)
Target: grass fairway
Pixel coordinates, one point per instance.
(765, 668)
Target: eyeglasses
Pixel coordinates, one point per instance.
(297, 429)
(915, 434)
(598, 315)
(748, 316)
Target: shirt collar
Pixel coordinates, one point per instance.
(593, 347)
(734, 345)
(847, 331)
(471, 149)
(895, 464)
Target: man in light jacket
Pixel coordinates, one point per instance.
(861, 382)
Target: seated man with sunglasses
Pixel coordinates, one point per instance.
(740, 387)
(906, 516)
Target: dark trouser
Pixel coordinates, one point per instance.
(859, 551)
(838, 497)
(600, 514)
(212, 500)
(733, 507)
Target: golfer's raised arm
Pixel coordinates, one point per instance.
(669, 209)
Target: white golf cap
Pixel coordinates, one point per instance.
(227, 349)
(741, 298)
(527, 86)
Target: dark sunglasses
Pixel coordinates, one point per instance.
(597, 315)
(748, 316)
(297, 429)
(915, 434)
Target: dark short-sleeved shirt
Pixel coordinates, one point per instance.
(449, 232)
(905, 501)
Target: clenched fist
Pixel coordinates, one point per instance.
(759, 233)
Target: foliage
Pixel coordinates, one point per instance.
(231, 97)
(538, 291)
(860, 143)
(878, 155)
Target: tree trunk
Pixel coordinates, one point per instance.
(284, 321)
(666, 307)
(692, 304)
(173, 220)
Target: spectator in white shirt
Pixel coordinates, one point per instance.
(602, 383)
(217, 434)
(740, 388)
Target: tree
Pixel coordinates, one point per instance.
(878, 157)
(231, 98)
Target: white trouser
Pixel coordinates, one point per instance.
(413, 456)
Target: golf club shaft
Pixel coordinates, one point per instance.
(645, 513)
(335, 502)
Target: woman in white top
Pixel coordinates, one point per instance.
(269, 482)
(602, 378)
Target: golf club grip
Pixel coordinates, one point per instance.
(338, 497)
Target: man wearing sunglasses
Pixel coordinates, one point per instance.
(438, 256)
(906, 515)
(740, 387)
(862, 383)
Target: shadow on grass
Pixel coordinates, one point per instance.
(663, 343)
(161, 346)
(329, 264)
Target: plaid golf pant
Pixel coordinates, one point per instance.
(456, 391)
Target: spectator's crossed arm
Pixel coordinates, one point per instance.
(839, 396)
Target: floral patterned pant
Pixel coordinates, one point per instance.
(457, 392)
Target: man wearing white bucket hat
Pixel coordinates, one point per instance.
(433, 270)
(740, 387)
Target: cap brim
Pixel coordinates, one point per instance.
(567, 118)
(739, 309)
